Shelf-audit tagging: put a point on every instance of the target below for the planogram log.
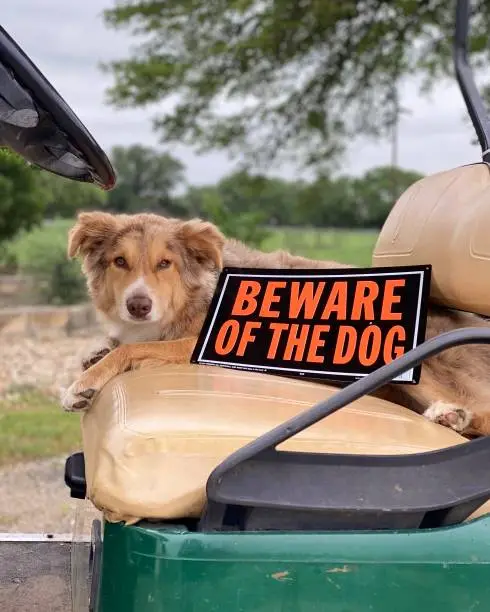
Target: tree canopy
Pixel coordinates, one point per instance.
(146, 179)
(328, 202)
(275, 79)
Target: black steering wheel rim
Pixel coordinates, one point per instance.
(38, 124)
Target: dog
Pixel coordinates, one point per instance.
(152, 279)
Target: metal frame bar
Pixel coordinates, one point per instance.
(372, 382)
(466, 81)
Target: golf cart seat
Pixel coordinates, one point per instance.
(443, 220)
(153, 437)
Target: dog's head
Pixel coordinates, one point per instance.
(145, 268)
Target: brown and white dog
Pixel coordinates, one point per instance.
(152, 279)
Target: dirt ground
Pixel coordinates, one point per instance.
(35, 499)
(33, 496)
(46, 363)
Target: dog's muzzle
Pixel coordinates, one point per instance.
(139, 306)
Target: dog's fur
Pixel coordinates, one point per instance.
(173, 265)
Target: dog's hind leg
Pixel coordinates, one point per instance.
(449, 395)
(480, 424)
(469, 418)
(450, 415)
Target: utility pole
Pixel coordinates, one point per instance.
(394, 128)
(395, 119)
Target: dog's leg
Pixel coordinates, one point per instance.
(480, 423)
(450, 415)
(99, 352)
(80, 394)
(472, 420)
(450, 406)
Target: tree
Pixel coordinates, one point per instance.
(242, 199)
(242, 203)
(146, 180)
(241, 217)
(66, 197)
(274, 198)
(249, 225)
(22, 201)
(190, 203)
(282, 78)
(329, 202)
(378, 190)
(351, 202)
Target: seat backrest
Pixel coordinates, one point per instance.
(444, 220)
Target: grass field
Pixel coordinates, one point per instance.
(348, 246)
(33, 426)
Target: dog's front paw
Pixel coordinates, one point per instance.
(77, 398)
(449, 415)
(94, 357)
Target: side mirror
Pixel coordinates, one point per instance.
(38, 124)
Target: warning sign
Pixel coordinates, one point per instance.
(334, 324)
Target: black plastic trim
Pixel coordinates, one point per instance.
(75, 475)
(466, 81)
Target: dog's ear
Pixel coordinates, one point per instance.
(90, 231)
(202, 241)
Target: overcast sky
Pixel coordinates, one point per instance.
(67, 39)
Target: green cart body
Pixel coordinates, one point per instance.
(149, 568)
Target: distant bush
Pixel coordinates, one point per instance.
(41, 253)
(247, 226)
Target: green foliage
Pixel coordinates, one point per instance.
(146, 180)
(247, 226)
(354, 202)
(276, 199)
(22, 202)
(241, 202)
(282, 78)
(378, 190)
(66, 197)
(42, 254)
(329, 202)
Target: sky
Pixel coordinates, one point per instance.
(67, 40)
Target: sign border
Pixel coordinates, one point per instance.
(424, 272)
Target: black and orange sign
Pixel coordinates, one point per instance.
(333, 324)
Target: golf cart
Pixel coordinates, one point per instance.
(228, 490)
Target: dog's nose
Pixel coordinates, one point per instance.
(139, 306)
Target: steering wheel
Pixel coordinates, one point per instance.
(37, 123)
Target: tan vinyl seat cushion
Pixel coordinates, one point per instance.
(154, 435)
(444, 220)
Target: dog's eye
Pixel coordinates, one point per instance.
(163, 264)
(120, 262)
